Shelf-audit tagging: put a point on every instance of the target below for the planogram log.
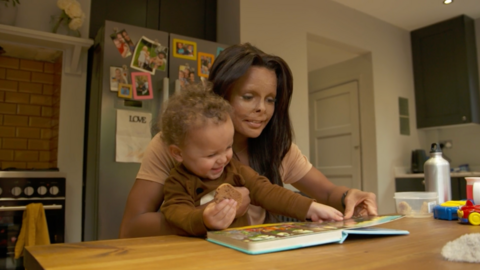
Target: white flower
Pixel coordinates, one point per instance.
(63, 4)
(75, 23)
(74, 10)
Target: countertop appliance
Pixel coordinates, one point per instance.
(418, 159)
(18, 188)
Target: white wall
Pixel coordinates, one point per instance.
(281, 27)
(36, 15)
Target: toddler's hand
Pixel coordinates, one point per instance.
(321, 212)
(243, 208)
(218, 216)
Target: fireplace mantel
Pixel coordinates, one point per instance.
(72, 47)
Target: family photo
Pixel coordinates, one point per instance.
(117, 75)
(184, 49)
(142, 85)
(121, 44)
(128, 40)
(186, 75)
(159, 60)
(149, 56)
(125, 90)
(205, 61)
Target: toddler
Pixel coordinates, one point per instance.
(198, 130)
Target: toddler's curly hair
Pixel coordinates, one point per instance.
(191, 108)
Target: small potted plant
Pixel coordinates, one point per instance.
(8, 11)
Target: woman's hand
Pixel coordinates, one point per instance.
(360, 203)
(321, 212)
(218, 216)
(243, 208)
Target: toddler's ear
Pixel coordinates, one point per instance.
(175, 152)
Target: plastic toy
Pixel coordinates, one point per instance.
(447, 210)
(469, 213)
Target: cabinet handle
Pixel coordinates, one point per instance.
(464, 118)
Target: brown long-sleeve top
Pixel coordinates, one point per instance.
(183, 191)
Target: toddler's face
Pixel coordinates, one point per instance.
(208, 149)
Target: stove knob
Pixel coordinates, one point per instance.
(16, 191)
(42, 190)
(54, 190)
(28, 191)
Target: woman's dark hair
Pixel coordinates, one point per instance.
(267, 151)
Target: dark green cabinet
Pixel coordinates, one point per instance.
(192, 18)
(458, 186)
(446, 73)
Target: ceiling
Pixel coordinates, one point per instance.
(405, 14)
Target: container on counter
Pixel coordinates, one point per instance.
(416, 204)
(473, 189)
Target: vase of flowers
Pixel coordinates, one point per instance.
(8, 11)
(71, 17)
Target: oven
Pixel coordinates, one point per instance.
(17, 190)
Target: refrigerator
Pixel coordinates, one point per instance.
(107, 181)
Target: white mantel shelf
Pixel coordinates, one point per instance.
(71, 46)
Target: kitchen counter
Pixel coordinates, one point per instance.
(452, 174)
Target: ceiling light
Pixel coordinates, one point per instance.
(446, 2)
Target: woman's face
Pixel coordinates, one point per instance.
(120, 38)
(118, 44)
(253, 101)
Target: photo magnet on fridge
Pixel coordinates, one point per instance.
(142, 85)
(125, 91)
(159, 61)
(128, 40)
(117, 75)
(184, 49)
(205, 62)
(186, 75)
(121, 44)
(144, 52)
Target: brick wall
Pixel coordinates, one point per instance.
(29, 113)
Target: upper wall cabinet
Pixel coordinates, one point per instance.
(192, 18)
(446, 73)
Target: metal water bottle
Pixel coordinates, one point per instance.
(437, 174)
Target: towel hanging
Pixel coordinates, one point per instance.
(34, 229)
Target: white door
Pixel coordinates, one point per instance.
(335, 134)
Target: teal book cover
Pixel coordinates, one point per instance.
(267, 238)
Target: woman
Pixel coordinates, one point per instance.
(259, 88)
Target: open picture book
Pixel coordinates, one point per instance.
(266, 238)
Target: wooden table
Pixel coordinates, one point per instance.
(419, 250)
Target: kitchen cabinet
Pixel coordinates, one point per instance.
(193, 18)
(417, 183)
(446, 73)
